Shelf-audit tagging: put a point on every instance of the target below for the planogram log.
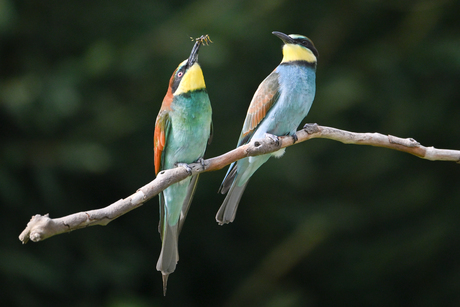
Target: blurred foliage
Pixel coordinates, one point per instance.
(329, 224)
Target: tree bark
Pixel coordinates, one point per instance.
(41, 227)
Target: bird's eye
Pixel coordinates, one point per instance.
(179, 74)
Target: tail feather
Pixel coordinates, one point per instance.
(165, 283)
(227, 210)
(229, 178)
(235, 183)
(169, 255)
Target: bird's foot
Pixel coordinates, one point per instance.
(311, 128)
(201, 161)
(294, 138)
(184, 165)
(273, 137)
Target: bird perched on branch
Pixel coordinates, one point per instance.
(182, 131)
(280, 103)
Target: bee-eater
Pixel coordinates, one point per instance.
(280, 103)
(182, 132)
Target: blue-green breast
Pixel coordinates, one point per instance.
(190, 128)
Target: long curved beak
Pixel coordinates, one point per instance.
(284, 37)
(193, 58)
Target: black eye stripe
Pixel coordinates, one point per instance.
(308, 44)
(178, 78)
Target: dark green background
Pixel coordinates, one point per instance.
(329, 224)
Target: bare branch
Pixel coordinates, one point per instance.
(407, 145)
(42, 227)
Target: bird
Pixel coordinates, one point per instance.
(183, 129)
(278, 106)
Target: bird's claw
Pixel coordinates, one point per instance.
(274, 138)
(311, 128)
(294, 137)
(184, 165)
(201, 161)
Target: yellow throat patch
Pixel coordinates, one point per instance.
(292, 52)
(192, 80)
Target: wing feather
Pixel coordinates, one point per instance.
(162, 125)
(264, 98)
(188, 200)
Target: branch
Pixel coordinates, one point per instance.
(408, 145)
(42, 227)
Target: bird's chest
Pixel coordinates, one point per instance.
(297, 91)
(190, 129)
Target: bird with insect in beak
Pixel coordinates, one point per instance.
(280, 103)
(183, 129)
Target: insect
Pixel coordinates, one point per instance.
(203, 39)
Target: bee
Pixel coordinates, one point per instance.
(203, 39)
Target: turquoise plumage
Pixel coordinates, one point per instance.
(182, 132)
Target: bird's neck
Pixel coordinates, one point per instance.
(292, 53)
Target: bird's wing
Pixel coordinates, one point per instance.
(160, 135)
(188, 200)
(265, 97)
(211, 134)
(191, 189)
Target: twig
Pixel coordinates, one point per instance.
(41, 227)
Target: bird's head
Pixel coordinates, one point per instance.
(297, 48)
(188, 76)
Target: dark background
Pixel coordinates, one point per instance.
(81, 83)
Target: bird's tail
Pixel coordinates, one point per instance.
(235, 183)
(227, 210)
(169, 255)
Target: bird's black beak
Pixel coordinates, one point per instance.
(193, 58)
(284, 37)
